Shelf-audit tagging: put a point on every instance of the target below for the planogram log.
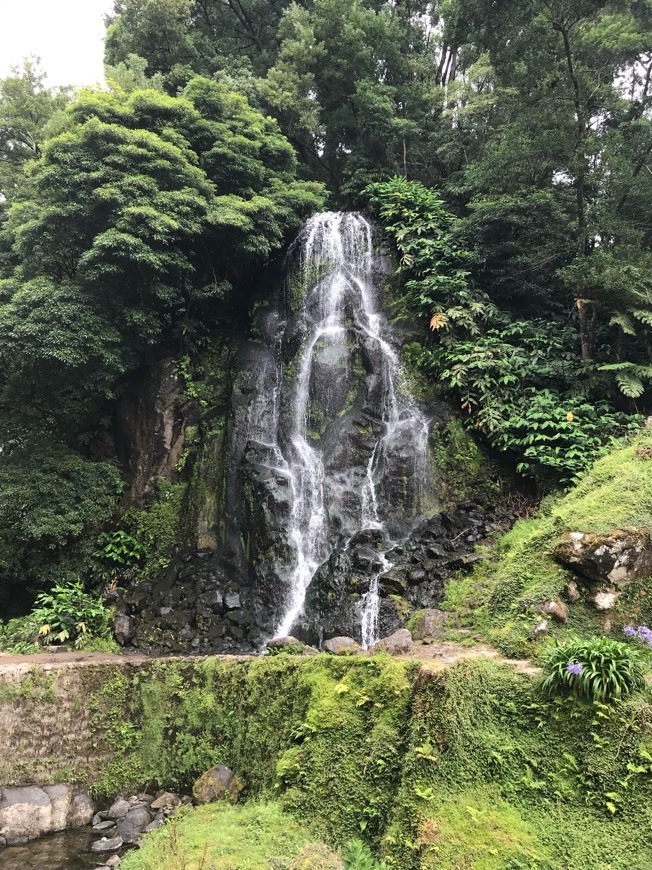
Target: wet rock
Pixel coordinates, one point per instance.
(104, 826)
(615, 559)
(427, 625)
(399, 643)
(217, 784)
(107, 845)
(118, 809)
(133, 824)
(556, 609)
(341, 646)
(165, 799)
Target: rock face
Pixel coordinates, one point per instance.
(615, 559)
(437, 548)
(399, 643)
(29, 812)
(217, 784)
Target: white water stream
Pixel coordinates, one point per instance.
(339, 247)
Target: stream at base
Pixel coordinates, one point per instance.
(68, 850)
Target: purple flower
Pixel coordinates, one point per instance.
(574, 668)
(642, 633)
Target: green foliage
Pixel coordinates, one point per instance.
(606, 668)
(357, 856)
(52, 503)
(153, 535)
(70, 614)
(463, 766)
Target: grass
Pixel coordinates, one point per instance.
(254, 836)
(502, 597)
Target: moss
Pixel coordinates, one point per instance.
(158, 528)
(253, 837)
(463, 470)
(502, 597)
(466, 766)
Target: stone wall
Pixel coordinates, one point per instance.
(50, 729)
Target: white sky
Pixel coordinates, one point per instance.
(66, 34)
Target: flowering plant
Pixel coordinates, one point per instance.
(642, 633)
(598, 669)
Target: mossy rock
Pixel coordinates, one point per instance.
(217, 784)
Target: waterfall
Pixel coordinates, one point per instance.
(338, 273)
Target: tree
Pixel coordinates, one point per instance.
(27, 108)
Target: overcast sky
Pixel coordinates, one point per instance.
(66, 34)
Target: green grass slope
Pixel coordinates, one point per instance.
(501, 598)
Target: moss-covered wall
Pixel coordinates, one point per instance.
(463, 767)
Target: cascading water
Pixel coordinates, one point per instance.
(340, 310)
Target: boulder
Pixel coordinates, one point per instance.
(287, 644)
(133, 824)
(25, 814)
(615, 559)
(427, 625)
(60, 802)
(342, 646)
(571, 592)
(218, 783)
(541, 629)
(555, 609)
(118, 809)
(399, 643)
(106, 845)
(604, 599)
(165, 799)
(123, 629)
(81, 810)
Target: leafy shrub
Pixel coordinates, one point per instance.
(69, 613)
(357, 856)
(598, 669)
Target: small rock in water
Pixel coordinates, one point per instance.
(342, 646)
(105, 845)
(396, 644)
(218, 783)
(118, 809)
(104, 826)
